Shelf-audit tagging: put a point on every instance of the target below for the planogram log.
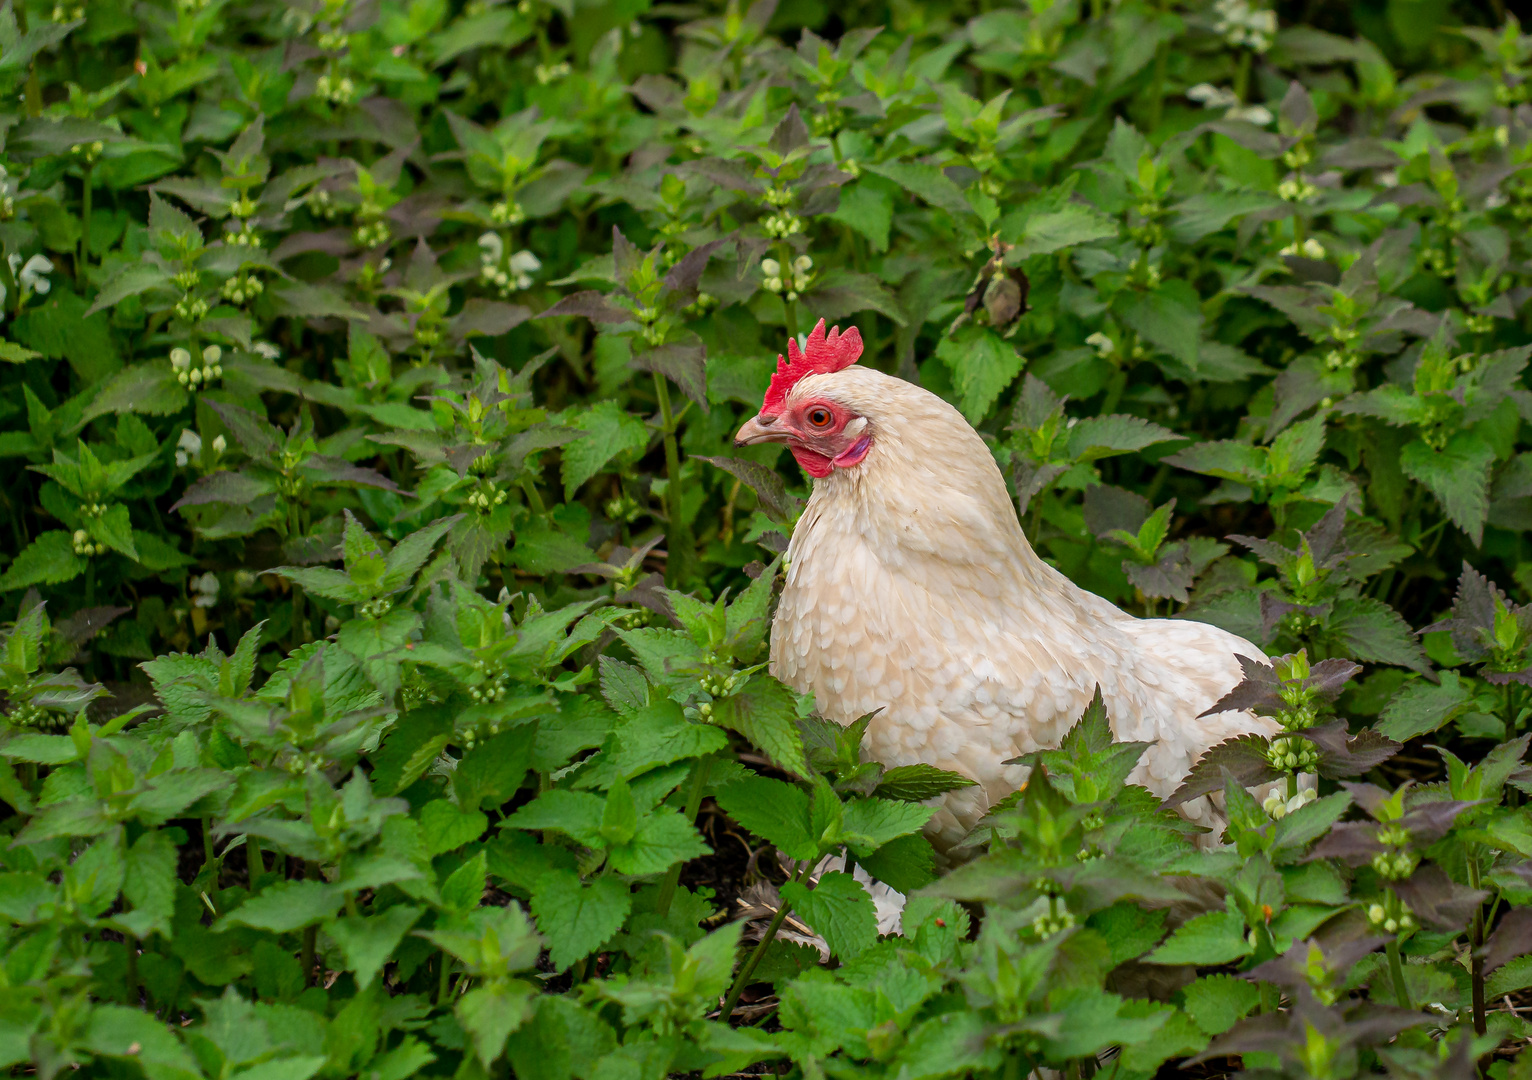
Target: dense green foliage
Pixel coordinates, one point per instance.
(467, 300)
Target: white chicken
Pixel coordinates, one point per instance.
(912, 590)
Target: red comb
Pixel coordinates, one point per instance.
(821, 356)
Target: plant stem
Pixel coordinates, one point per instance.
(677, 538)
(131, 943)
(256, 861)
(742, 980)
(693, 804)
(306, 958)
(1476, 946)
(534, 498)
(1396, 968)
(84, 258)
(444, 978)
(1292, 785)
(1157, 89)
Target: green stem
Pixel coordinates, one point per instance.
(1242, 75)
(534, 498)
(677, 541)
(444, 978)
(306, 958)
(256, 861)
(209, 856)
(1271, 998)
(131, 944)
(742, 980)
(90, 581)
(1476, 945)
(1157, 89)
(84, 258)
(693, 804)
(1292, 785)
(34, 89)
(1396, 969)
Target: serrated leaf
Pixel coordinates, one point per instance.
(48, 560)
(983, 364)
(916, 783)
(1458, 475)
(773, 810)
(838, 909)
(1215, 938)
(577, 918)
(766, 713)
(1217, 1002)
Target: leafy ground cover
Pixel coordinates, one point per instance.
(384, 672)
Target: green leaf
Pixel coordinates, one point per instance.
(494, 769)
(285, 906)
(48, 560)
(1215, 938)
(489, 1014)
(925, 181)
(610, 431)
(1169, 318)
(12, 353)
(766, 713)
(1458, 475)
(838, 909)
(446, 827)
(983, 364)
(369, 942)
(870, 823)
(867, 206)
(577, 918)
(1055, 230)
(1421, 707)
(1095, 437)
(773, 810)
(144, 388)
(577, 814)
(917, 783)
(1217, 1002)
(114, 530)
(662, 839)
(906, 864)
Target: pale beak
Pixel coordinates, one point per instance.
(755, 431)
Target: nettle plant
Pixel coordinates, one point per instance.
(384, 667)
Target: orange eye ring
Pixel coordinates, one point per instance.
(820, 417)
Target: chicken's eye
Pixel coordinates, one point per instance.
(820, 417)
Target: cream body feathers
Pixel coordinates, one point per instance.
(912, 589)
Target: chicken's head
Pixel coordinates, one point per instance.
(823, 434)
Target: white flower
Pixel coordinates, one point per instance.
(1240, 24)
(803, 264)
(188, 446)
(1309, 249)
(220, 444)
(266, 349)
(491, 247)
(1213, 97)
(1221, 97)
(522, 266)
(211, 355)
(32, 277)
(206, 588)
(771, 268)
(1101, 343)
(180, 359)
(1259, 115)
